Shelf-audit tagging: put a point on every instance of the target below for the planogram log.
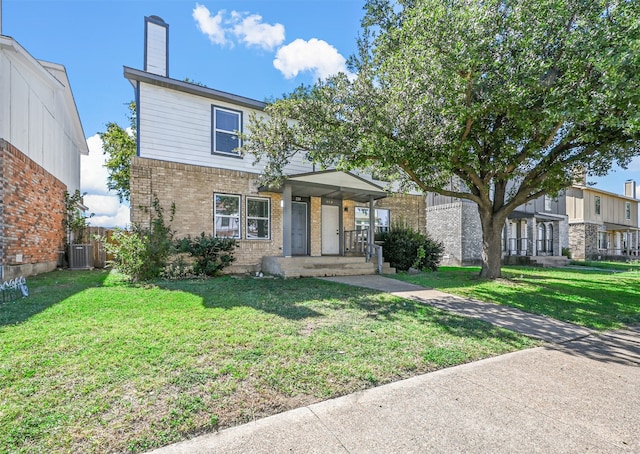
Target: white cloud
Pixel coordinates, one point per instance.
(253, 32)
(313, 55)
(109, 212)
(210, 25)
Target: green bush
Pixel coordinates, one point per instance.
(405, 248)
(212, 254)
(142, 253)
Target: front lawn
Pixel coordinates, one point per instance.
(89, 363)
(600, 299)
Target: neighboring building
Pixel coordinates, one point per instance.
(187, 140)
(535, 231)
(602, 224)
(41, 140)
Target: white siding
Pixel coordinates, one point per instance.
(35, 117)
(176, 127)
(156, 49)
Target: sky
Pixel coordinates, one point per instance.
(259, 49)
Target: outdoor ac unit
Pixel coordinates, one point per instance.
(80, 256)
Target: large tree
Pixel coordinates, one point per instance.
(493, 101)
(119, 144)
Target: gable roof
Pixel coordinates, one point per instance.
(186, 87)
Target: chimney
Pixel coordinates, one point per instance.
(156, 46)
(630, 188)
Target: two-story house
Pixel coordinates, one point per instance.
(536, 231)
(188, 154)
(602, 224)
(41, 140)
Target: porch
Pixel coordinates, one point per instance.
(532, 235)
(318, 215)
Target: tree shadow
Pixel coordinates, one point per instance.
(47, 290)
(619, 346)
(284, 298)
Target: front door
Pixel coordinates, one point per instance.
(330, 230)
(298, 228)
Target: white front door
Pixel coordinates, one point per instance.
(330, 229)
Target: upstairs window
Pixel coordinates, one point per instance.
(627, 210)
(227, 215)
(547, 203)
(227, 125)
(597, 201)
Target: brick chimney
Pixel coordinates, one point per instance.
(156, 46)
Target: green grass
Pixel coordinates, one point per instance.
(632, 265)
(599, 299)
(89, 363)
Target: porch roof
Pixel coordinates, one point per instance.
(517, 214)
(332, 184)
(620, 227)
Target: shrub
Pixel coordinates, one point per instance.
(212, 254)
(405, 248)
(142, 253)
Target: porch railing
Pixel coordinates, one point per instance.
(356, 242)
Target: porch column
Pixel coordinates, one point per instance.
(372, 220)
(532, 234)
(286, 221)
(557, 250)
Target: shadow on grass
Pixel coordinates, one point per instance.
(47, 290)
(595, 299)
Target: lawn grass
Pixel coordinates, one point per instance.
(599, 299)
(631, 265)
(89, 363)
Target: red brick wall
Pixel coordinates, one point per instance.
(31, 210)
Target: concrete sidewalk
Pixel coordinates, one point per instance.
(580, 396)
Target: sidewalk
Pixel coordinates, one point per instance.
(580, 396)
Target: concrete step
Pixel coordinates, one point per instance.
(320, 266)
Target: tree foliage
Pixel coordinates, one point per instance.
(497, 102)
(75, 221)
(119, 145)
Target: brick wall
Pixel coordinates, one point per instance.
(406, 208)
(31, 213)
(192, 188)
(444, 225)
(583, 241)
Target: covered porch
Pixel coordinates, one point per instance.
(532, 234)
(318, 226)
(617, 240)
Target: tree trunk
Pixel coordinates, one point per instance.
(491, 244)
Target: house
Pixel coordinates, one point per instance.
(602, 224)
(536, 231)
(41, 140)
(187, 154)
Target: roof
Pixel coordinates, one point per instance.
(612, 194)
(186, 87)
(333, 184)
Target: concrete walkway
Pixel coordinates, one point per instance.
(580, 396)
(538, 326)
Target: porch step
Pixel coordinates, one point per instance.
(549, 261)
(292, 267)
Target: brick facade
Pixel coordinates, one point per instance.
(192, 187)
(457, 226)
(31, 215)
(583, 241)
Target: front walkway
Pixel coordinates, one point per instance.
(538, 326)
(582, 395)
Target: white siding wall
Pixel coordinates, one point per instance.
(34, 118)
(176, 126)
(156, 49)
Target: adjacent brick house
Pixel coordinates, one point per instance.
(41, 140)
(187, 155)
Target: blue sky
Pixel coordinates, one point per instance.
(259, 49)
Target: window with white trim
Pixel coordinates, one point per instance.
(627, 210)
(547, 203)
(227, 124)
(597, 202)
(258, 215)
(382, 219)
(226, 209)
